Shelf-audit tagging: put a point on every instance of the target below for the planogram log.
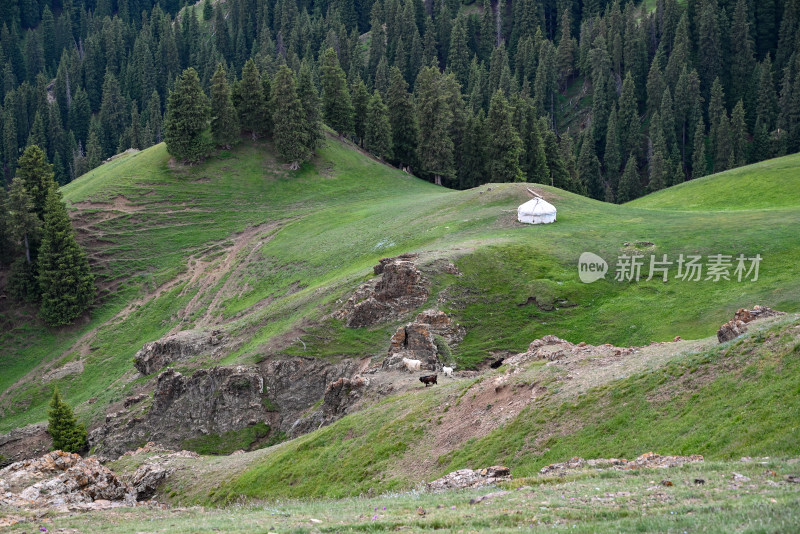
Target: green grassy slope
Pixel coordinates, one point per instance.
(684, 407)
(325, 226)
(771, 184)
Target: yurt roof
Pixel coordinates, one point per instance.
(537, 206)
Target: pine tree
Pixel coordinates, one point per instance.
(435, 118)
(767, 99)
(360, 100)
(337, 107)
(629, 183)
(251, 103)
(487, 32)
(309, 98)
(291, 134)
(68, 435)
(459, 55)
(699, 165)
(534, 161)
(628, 118)
(113, 114)
(378, 136)
(742, 57)
(24, 226)
(723, 153)
(589, 169)
(565, 53)
(37, 177)
(186, 121)
(505, 146)
(403, 120)
(224, 122)
(658, 169)
(65, 280)
(612, 160)
(739, 135)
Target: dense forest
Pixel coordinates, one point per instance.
(608, 99)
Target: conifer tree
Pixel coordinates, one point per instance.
(612, 160)
(565, 53)
(629, 183)
(361, 100)
(739, 135)
(68, 435)
(589, 169)
(309, 98)
(699, 165)
(767, 99)
(403, 120)
(186, 121)
(251, 103)
(487, 32)
(378, 136)
(723, 153)
(473, 163)
(291, 134)
(628, 118)
(657, 171)
(65, 280)
(113, 112)
(37, 177)
(505, 146)
(24, 226)
(459, 55)
(337, 107)
(435, 118)
(535, 161)
(224, 122)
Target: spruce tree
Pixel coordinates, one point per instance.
(251, 103)
(629, 183)
(767, 99)
(505, 146)
(224, 122)
(291, 134)
(628, 118)
(361, 100)
(68, 435)
(699, 164)
(337, 107)
(403, 120)
(435, 118)
(378, 136)
(37, 176)
(612, 160)
(186, 121)
(589, 169)
(309, 98)
(739, 135)
(113, 114)
(24, 226)
(65, 280)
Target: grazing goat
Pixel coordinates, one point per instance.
(428, 380)
(448, 371)
(412, 365)
(497, 363)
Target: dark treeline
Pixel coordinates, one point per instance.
(596, 97)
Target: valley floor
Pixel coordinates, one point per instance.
(750, 495)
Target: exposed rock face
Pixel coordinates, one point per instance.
(416, 340)
(147, 478)
(26, 442)
(647, 460)
(468, 478)
(738, 325)
(64, 480)
(554, 348)
(296, 384)
(211, 401)
(400, 289)
(731, 330)
(155, 355)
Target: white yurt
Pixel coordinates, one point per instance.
(536, 211)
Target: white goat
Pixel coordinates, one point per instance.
(448, 371)
(412, 365)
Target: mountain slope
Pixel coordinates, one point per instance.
(241, 244)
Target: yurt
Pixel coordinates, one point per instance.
(536, 211)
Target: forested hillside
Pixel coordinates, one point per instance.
(661, 93)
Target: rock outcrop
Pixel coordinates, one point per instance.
(400, 288)
(647, 460)
(554, 348)
(63, 480)
(738, 325)
(417, 340)
(469, 478)
(23, 443)
(155, 355)
(210, 401)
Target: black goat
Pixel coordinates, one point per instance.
(428, 380)
(497, 363)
